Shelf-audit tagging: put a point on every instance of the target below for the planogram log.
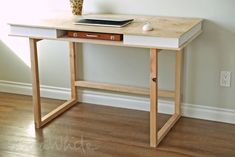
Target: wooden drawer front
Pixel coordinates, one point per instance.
(98, 36)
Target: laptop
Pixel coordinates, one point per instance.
(100, 21)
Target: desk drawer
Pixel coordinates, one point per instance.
(94, 35)
(36, 32)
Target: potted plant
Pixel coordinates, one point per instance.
(76, 6)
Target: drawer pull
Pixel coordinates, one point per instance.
(92, 36)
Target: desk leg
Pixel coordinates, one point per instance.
(157, 136)
(178, 74)
(153, 96)
(39, 120)
(35, 82)
(73, 70)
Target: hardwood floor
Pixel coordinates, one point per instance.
(99, 131)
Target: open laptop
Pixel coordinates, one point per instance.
(100, 21)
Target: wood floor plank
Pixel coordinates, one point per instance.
(90, 130)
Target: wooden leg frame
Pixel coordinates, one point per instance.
(155, 135)
(38, 119)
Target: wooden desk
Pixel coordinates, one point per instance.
(170, 33)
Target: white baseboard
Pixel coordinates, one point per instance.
(123, 101)
(26, 89)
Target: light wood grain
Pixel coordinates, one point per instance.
(167, 27)
(35, 82)
(74, 95)
(164, 27)
(153, 96)
(111, 87)
(178, 74)
(123, 89)
(115, 43)
(58, 111)
(167, 127)
(166, 94)
(39, 120)
(73, 70)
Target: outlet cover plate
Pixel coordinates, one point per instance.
(225, 78)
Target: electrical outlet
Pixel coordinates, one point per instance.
(225, 78)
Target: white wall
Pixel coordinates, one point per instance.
(210, 53)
